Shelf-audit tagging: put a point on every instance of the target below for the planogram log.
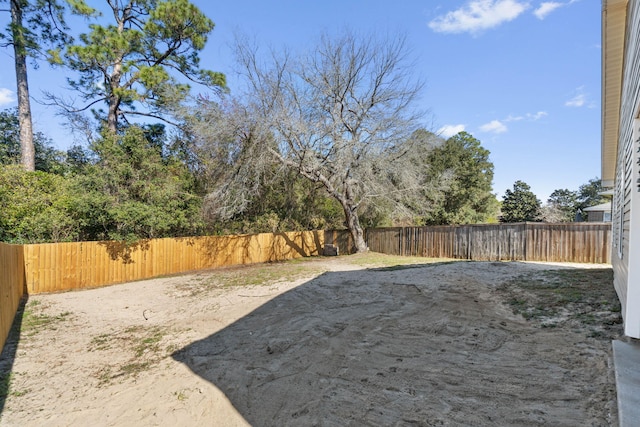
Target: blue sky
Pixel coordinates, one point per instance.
(521, 76)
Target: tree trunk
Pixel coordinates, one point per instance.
(112, 116)
(353, 224)
(114, 81)
(27, 151)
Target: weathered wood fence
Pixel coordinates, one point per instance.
(566, 242)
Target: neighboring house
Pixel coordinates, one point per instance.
(621, 148)
(598, 213)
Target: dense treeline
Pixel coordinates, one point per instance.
(328, 138)
(145, 184)
(521, 204)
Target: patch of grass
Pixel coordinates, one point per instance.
(265, 274)
(375, 259)
(7, 386)
(34, 320)
(149, 343)
(574, 296)
(100, 342)
(134, 368)
(104, 375)
(142, 343)
(253, 275)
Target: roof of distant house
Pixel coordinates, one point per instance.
(603, 207)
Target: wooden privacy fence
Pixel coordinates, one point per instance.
(566, 242)
(38, 268)
(62, 266)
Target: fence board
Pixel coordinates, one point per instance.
(12, 286)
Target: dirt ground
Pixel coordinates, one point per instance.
(342, 341)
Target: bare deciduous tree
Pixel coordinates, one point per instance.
(341, 115)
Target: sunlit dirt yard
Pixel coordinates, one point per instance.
(357, 340)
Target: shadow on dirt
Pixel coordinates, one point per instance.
(8, 354)
(423, 345)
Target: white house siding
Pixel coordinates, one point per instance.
(626, 209)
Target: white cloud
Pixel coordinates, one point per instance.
(479, 15)
(546, 8)
(448, 131)
(494, 126)
(581, 99)
(537, 116)
(498, 126)
(529, 116)
(577, 101)
(6, 96)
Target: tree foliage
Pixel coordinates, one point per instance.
(129, 191)
(36, 206)
(520, 204)
(47, 158)
(564, 205)
(468, 198)
(561, 206)
(589, 194)
(324, 139)
(132, 192)
(134, 60)
(245, 190)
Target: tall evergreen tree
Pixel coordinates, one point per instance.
(469, 198)
(520, 204)
(134, 60)
(589, 194)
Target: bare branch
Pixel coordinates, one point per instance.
(341, 115)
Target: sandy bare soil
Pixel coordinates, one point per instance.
(330, 343)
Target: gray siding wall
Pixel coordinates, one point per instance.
(625, 182)
(595, 216)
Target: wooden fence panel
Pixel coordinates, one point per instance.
(54, 267)
(566, 242)
(571, 242)
(342, 239)
(489, 242)
(12, 286)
